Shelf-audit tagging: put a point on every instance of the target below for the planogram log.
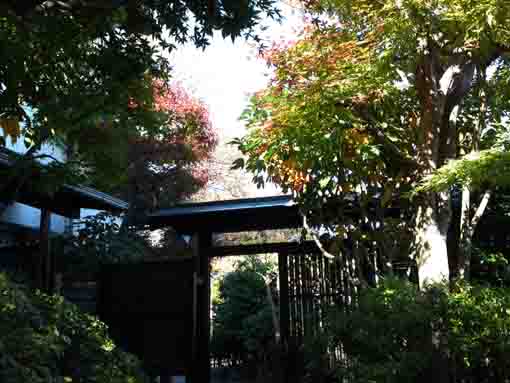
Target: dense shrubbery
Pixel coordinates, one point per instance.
(397, 333)
(243, 327)
(43, 337)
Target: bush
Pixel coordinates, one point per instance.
(242, 327)
(396, 333)
(44, 337)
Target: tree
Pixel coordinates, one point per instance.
(169, 165)
(60, 53)
(373, 98)
(243, 325)
(482, 168)
(79, 64)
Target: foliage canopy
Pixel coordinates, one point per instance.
(242, 325)
(81, 73)
(373, 98)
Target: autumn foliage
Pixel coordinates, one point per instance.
(168, 165)
(373, 98)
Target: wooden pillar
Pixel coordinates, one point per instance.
(43, 269)
(283, 274)
(201, 366)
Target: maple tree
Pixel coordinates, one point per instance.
(367, 105)
(171, 164)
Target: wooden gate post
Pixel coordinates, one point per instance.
(201, 366)
(43, 273)
(283, 274)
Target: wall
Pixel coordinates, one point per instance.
(27, 217)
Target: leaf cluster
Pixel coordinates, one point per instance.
(487, 168)
(81, 67)
(344, 112)
(169, 165)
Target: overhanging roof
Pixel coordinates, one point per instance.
(68, 200)
(265, 213)
(238, 215)
(95, 199)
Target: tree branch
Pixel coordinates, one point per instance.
(316, 239)
(481, 209)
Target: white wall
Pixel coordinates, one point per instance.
(27, 216)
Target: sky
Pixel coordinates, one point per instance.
(225, 74)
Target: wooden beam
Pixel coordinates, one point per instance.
(190, 374)
(290, 248)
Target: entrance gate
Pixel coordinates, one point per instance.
(161, 311)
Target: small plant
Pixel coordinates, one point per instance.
(490, 266)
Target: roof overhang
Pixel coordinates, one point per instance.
(66, 201)
(264, 213)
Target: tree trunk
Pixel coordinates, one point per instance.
(434, 144)
(464, 247)
(440, 90)
(468, 224)
(431, 230)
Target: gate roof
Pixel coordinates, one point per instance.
(279, 212)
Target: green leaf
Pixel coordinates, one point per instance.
(238, 164)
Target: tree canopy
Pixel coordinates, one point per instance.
(242, 325)
(373, 98)
(79, 63)
(173, 163)
(81, 74)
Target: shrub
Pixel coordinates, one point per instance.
(396, 333)
(43, 337)
(242, 327)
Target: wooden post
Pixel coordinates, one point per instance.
(283, 274)
(201, 366)
(44, 264)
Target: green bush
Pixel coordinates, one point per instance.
(44, 337)
(396, 333)
(242, 326)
